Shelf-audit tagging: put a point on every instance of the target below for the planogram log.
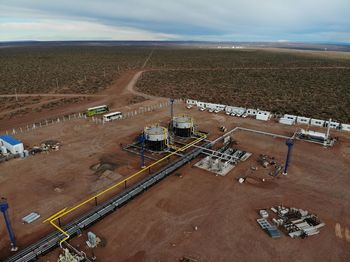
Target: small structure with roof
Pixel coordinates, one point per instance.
(263, 115)
(11, 144)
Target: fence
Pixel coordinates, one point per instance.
(80, 115)
(140, 111)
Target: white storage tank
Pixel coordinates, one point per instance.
(183, 126)
(156, 137)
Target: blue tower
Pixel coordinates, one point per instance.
(4, 206)
(290, 144)
(142, 141)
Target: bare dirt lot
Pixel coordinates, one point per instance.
(159, 224)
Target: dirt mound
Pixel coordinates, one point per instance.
(262, 183)
(101, 167)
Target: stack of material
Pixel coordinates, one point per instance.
(266, 226)
(299, 222)
(294, 222)
(68, 257)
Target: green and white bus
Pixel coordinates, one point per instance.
(97, 110)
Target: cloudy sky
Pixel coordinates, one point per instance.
(215, 20)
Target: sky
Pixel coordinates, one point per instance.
(176, 20)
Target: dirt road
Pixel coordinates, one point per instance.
(118, 95)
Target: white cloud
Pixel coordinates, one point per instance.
(74, 30)
(193, 19)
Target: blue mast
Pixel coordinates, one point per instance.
(142, 141)
(4, 206)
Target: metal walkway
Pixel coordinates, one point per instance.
(51, 241)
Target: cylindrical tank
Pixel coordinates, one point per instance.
(183, 126)
(156, 137)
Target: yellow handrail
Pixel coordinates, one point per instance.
(64, 211)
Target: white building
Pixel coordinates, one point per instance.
(235, 109)
(191, 102)
(316, 122)
(215, 106)
(345, 127)
(201, 104)
(11, 144)
(303, 120)
(332, 124)
(252, 112)
(263, 115)
(292, 118)
(286, 121)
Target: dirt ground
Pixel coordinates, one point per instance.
(158, 225)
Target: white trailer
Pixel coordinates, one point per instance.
(11, 144)
(214, 107)
(332, 124)
(292, 118)
(263, 115)
(316, 122)
(345, 127)
(191, 102)
(235, 109)
(252, 112)
(286, 121)
(303, 120)
(200, 104)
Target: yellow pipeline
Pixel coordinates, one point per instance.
(64, 211)
(62, 231)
